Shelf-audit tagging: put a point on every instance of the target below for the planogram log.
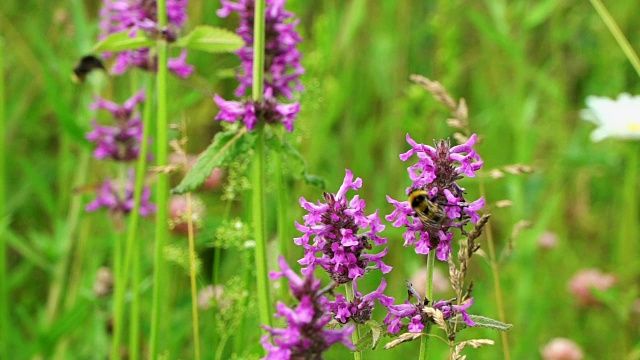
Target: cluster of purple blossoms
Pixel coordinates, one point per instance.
(360, 309)
(119, 142)
(335, 226)
(122, 141)
(282, 66)
(437, 171)
(135, 15)
(118, 197)
(304, 337)
(282, 58)
(269, 110)
(418, 318)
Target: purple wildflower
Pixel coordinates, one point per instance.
(418, 318)
(134, 15)
(122, 141)
(304, 337)
(437, 171)
(112, 196)
(249, 112)
(282, 67)
(449, 310)
(282, 58)
(360, 308)
(335, 226)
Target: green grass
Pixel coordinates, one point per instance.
(524, 69)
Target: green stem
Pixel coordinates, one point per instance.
(617, 34)
(259, 229)
(283, 218)
(162, 187)
(258, 50)
(4, 288)
(258, 201)
(192, 273)
(355, 336)
(425, 340)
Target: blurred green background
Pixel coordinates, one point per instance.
(524, 68)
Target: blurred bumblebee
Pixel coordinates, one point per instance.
(86, 65)
(431, 214)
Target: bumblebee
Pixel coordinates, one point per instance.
(86, 65)
(430, 213)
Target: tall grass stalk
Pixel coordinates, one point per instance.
(192, 261)
(495, 272)
(162, 187)
(355, 336)
(4, 287)
(192, 273)
(617, 34)
(258, 168)
(426, 340)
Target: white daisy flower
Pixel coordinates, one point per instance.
(615, 118)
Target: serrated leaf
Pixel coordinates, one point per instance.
(376, 332)
(297, 158)
(365, 342)
(225, 146)
(210, 39)
(123, 40)
(481, 321)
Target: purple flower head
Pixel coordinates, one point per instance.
(360, 308)
(134, 15)
(449, 310)
(282, 59)
(120, 142)
(335, 227)
(250, 112)
(416, 315)
(118, 197)
(436, 175)
(304, 337)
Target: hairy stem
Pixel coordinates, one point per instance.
(258, 201)
(355, 336)
(162, 186)
(426, 340)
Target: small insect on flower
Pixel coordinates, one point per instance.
(431, 214)
(85, 66)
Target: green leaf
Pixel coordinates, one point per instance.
(376, 331)
(481, 321)
(123, 41)
(365, 342)
(210, 39)
(225, 147)
(371, 339)
(298, 160)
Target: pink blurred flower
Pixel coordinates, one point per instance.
(548, 240)
(440, 281)
(178, 210)
(561, 349)
(585, 281)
